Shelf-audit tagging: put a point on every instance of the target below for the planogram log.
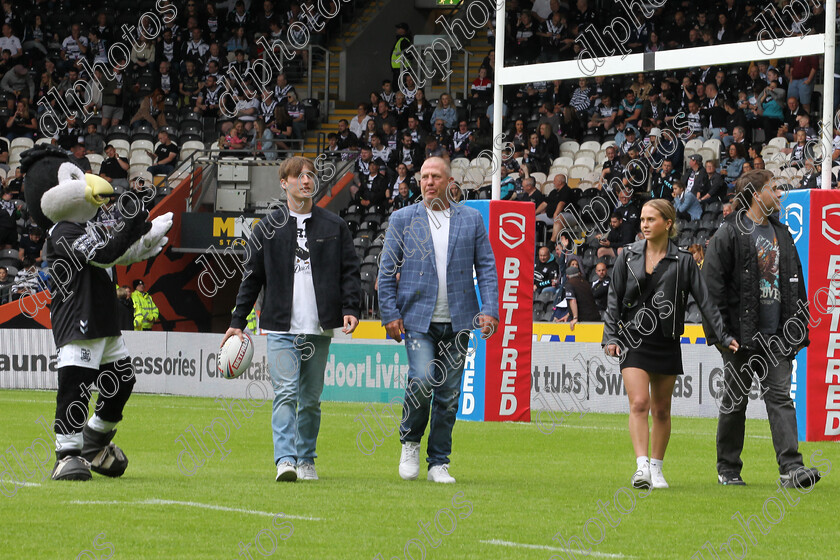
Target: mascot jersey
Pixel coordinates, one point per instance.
(84, 306)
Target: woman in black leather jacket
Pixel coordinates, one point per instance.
(651, 281)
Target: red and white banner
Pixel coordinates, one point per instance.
(823, 377)
(507, 394)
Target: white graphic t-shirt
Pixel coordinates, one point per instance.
(304, 307)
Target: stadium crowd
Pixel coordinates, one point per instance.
(682, 135)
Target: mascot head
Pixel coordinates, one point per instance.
(57, 190)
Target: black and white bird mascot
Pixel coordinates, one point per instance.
(63, 200)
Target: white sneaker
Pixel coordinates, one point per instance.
(641, 478)
(440, 473)
(306, 471)
(410, 460)
(286, 472)
(657, 478)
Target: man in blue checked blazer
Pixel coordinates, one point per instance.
(426, 292)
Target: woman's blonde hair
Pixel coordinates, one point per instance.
(667, 211)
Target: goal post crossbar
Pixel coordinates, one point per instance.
(819, 43)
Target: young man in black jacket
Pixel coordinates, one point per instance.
(754, 277)
(300, 309)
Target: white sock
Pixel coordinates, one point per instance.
(71, 441)
(641, 461)
(98, 424)
(656, 463)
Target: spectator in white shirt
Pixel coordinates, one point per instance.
(10, 42)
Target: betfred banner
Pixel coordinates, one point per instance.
(471, 401)
(507, 392)
(796, 215)
(823, 380)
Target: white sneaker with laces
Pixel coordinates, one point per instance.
(440, 473)
(306, 471)
(286, 472)
(410, 460)
(657, 478)
(641, 478)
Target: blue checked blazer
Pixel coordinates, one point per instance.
(409, 250)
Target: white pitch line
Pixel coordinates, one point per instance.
(557, 549)
(158, 502)
(20, 483)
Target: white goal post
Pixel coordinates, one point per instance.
(822, 43)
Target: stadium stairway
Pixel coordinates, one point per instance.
(319, 69)
(478, 47)
(310, 147)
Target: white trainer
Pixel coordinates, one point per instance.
(306, 471)
(641, 478)
(286, 472)
(657, 478)
(440, 473)
(410, 460)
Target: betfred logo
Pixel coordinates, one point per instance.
(793, 218)
(508, 351)
(512, 229)
(831, 223)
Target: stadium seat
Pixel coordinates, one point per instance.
(145, 175)
(585, 153)
(585, 161)
(142, 145)
(709, 154)
(140, 157)
(41, 141)
(21, 142)
(713, 144)
(694, 144)
(95, 162)
(591, 146)
(121, 146)
(460, 163)
(569, 147)
(778, 142)
(538, 177)
(607, 144)
(563, 161)
(578, 172)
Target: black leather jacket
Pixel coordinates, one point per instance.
(680, 278)
(731, 273)
(272, 250)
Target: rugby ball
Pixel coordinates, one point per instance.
(235, 356)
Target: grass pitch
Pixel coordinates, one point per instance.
(517, 488)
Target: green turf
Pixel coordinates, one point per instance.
(523, 487)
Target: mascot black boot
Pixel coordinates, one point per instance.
(64, 201)
(104, 457)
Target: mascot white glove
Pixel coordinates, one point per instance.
(150, 244)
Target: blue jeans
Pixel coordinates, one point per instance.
(435, 366)
(801, 91)
(297, 383)
(161, 169)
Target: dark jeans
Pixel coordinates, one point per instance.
(435, 366)
(733, 406)
(161, 169)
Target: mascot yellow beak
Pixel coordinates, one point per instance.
(98, 190)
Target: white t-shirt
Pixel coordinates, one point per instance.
(11, 43)
(245, 104)
(439, 225)
(304, 307)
